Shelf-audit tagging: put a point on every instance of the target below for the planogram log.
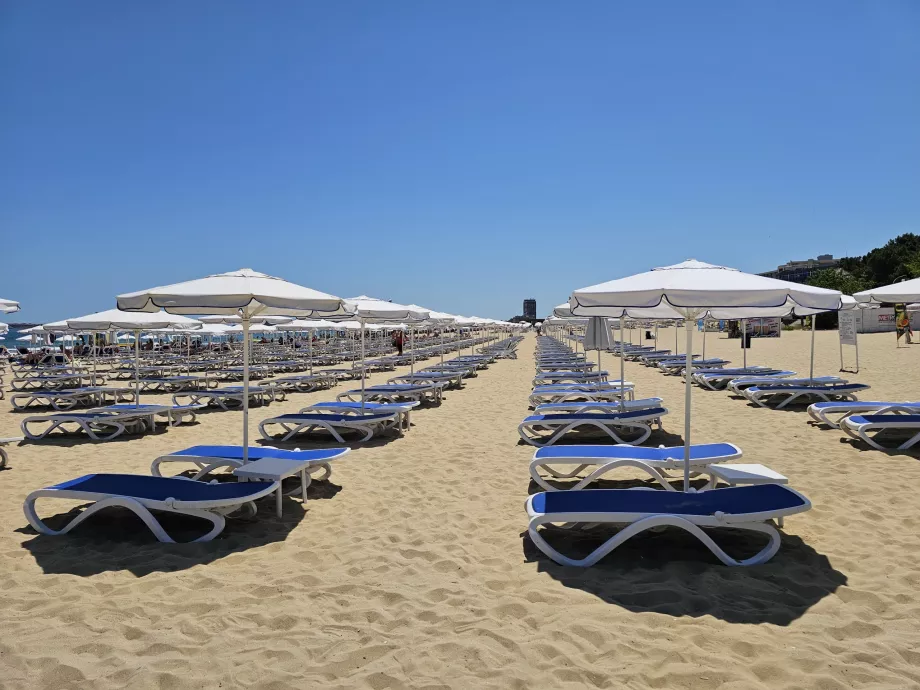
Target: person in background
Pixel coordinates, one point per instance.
(398, 341)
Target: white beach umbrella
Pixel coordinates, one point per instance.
(436, 318)
(8, 306)
(231, 319)
(116, 319)
(374, 310)
(244, 293)
(254, 328)
(695, 289)
(4, 328)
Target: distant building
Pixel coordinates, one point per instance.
(801, 271)
(530, 309)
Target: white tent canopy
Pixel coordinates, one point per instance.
(8, 306)
(906, 291)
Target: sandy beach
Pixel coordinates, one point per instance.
(410, 567)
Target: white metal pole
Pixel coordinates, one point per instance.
(137, 377)
(622, 367)
(363, 370)
(704, 338)
(310, 349)
(687, 393)
(245, 324)
(412, 347)
(811, 370)
(744, 341)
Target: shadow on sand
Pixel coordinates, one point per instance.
(672, 573)
(117, 540)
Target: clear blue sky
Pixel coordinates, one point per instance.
(463, 155)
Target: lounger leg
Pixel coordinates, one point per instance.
(4, 458)
(639, 526)
(134, 506)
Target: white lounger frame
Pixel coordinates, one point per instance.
(860, 431)
(212, 511)
(355, 423)
(641, 424)
(96, 427)
(657, 469)
(640, 522)
(4, 458)
(793, 393)
(207, 464)
(259, 396)
(850, 408)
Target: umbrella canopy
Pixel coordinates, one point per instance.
(254, 328)
(906, 291)
(245, 290)
(53, 327)
(308, 325)
(696, 289)
(116, 319)
(373, 309)
(693, 288)
(434, 317)
(8, 306)
(597, 336)
(231, 319)
(245, 293)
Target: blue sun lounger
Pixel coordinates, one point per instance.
(819, 411)
(673, 366)
(175, 414)
(749, 508)
(598, 406)
(142, 495)
(357, 408)
(656, 461)
(859, 426)
(333, 424)
(209, 458)
(765, 394)
(396, 392)
(546, 429)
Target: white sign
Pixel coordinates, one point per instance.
(847, 322)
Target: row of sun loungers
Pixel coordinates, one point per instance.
(195, 496)
(752, 507)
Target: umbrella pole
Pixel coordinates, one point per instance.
(412, 347)
(245, 324)
(137, 377)
(442, 344)
(704, 339)
(363, 370)
(622, 368)
(811, 368)
(687, 392)
(310, 349)
(743, 340)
